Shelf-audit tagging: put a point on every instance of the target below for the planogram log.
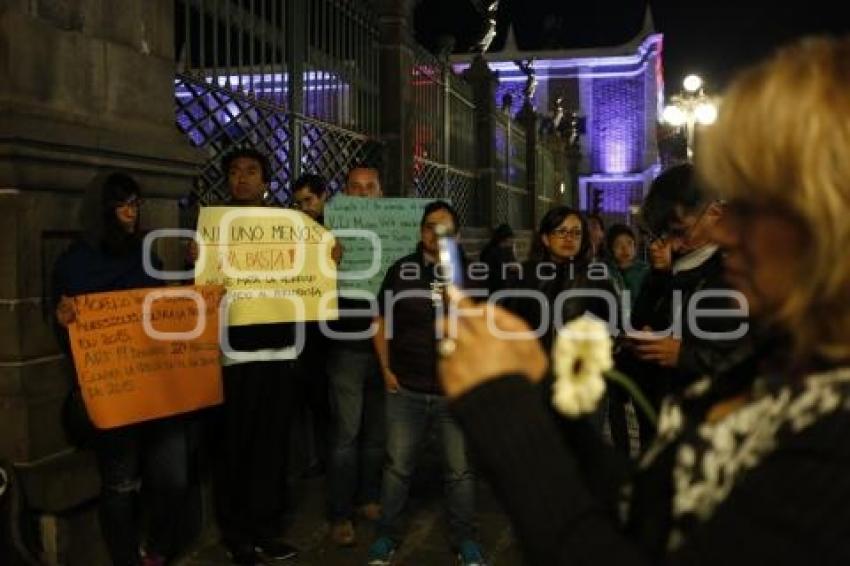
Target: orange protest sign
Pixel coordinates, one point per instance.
(145, 354)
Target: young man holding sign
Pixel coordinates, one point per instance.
(258, 405)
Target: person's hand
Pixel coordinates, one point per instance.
(479, 355)
(66, 313)
(661, 255)
(390, 381)
(336, 252)
(192, 252)
(662, 351)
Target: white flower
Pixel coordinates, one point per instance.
(582, 352)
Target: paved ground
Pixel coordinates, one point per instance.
(424, 545)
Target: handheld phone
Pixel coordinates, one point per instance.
(450, 263)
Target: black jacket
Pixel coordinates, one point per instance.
(552, 280)
(790, 507)
(655, 308)
(496, 258)
(412, 319)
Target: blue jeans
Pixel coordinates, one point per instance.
(411, 414)
(153, 457)
(357, 436)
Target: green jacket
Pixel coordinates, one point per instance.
(630, 279)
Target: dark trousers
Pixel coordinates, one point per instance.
(251, 482)
(152, 457)
(313, 392)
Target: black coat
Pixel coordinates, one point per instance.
(655, 308)
(774, 491)
(497, 258)
(551, 280)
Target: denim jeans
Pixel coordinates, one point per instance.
(357, 435)
(411, 414)
(153, 457)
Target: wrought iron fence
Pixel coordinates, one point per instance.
(297, 79)
(511, 180)
(548, 183)
(341, 70)
(443, 123)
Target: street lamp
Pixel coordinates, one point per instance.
(689, 108)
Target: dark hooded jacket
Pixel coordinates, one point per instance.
(103, 258)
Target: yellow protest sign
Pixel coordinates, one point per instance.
(276, 264)
(147, 353)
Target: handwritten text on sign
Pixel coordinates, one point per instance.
(390, 230)
(276, 264)
(147, 353)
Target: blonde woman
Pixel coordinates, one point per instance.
(750, 467)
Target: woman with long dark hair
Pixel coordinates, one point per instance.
(151, 455)
(558, 283)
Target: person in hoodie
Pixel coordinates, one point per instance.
(154, 454)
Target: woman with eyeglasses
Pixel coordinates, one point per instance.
(559, 283)
(152, 455)
(751, 464)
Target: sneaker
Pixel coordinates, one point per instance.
(370, 511)
(342, 533)
(276, 550)
(469, 554)
(381, 552)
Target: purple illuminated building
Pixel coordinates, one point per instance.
(618, 90)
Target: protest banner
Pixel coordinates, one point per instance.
(145, 354)
(394, 227)
(276, 264)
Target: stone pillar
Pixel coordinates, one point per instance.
(483, 82)
(395, 19)
(296, 46)
(529, 120)
(574, 159)
(85, 86)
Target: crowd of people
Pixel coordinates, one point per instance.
(746, 464)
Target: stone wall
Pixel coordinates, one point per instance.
(85, 86)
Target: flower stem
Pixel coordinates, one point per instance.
(626, 383)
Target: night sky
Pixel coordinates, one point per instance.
(717, 38)
(713, 37)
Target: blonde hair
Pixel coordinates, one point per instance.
(783, 139)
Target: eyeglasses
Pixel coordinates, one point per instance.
(564, 233)
(132, 202)
(675, 233)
